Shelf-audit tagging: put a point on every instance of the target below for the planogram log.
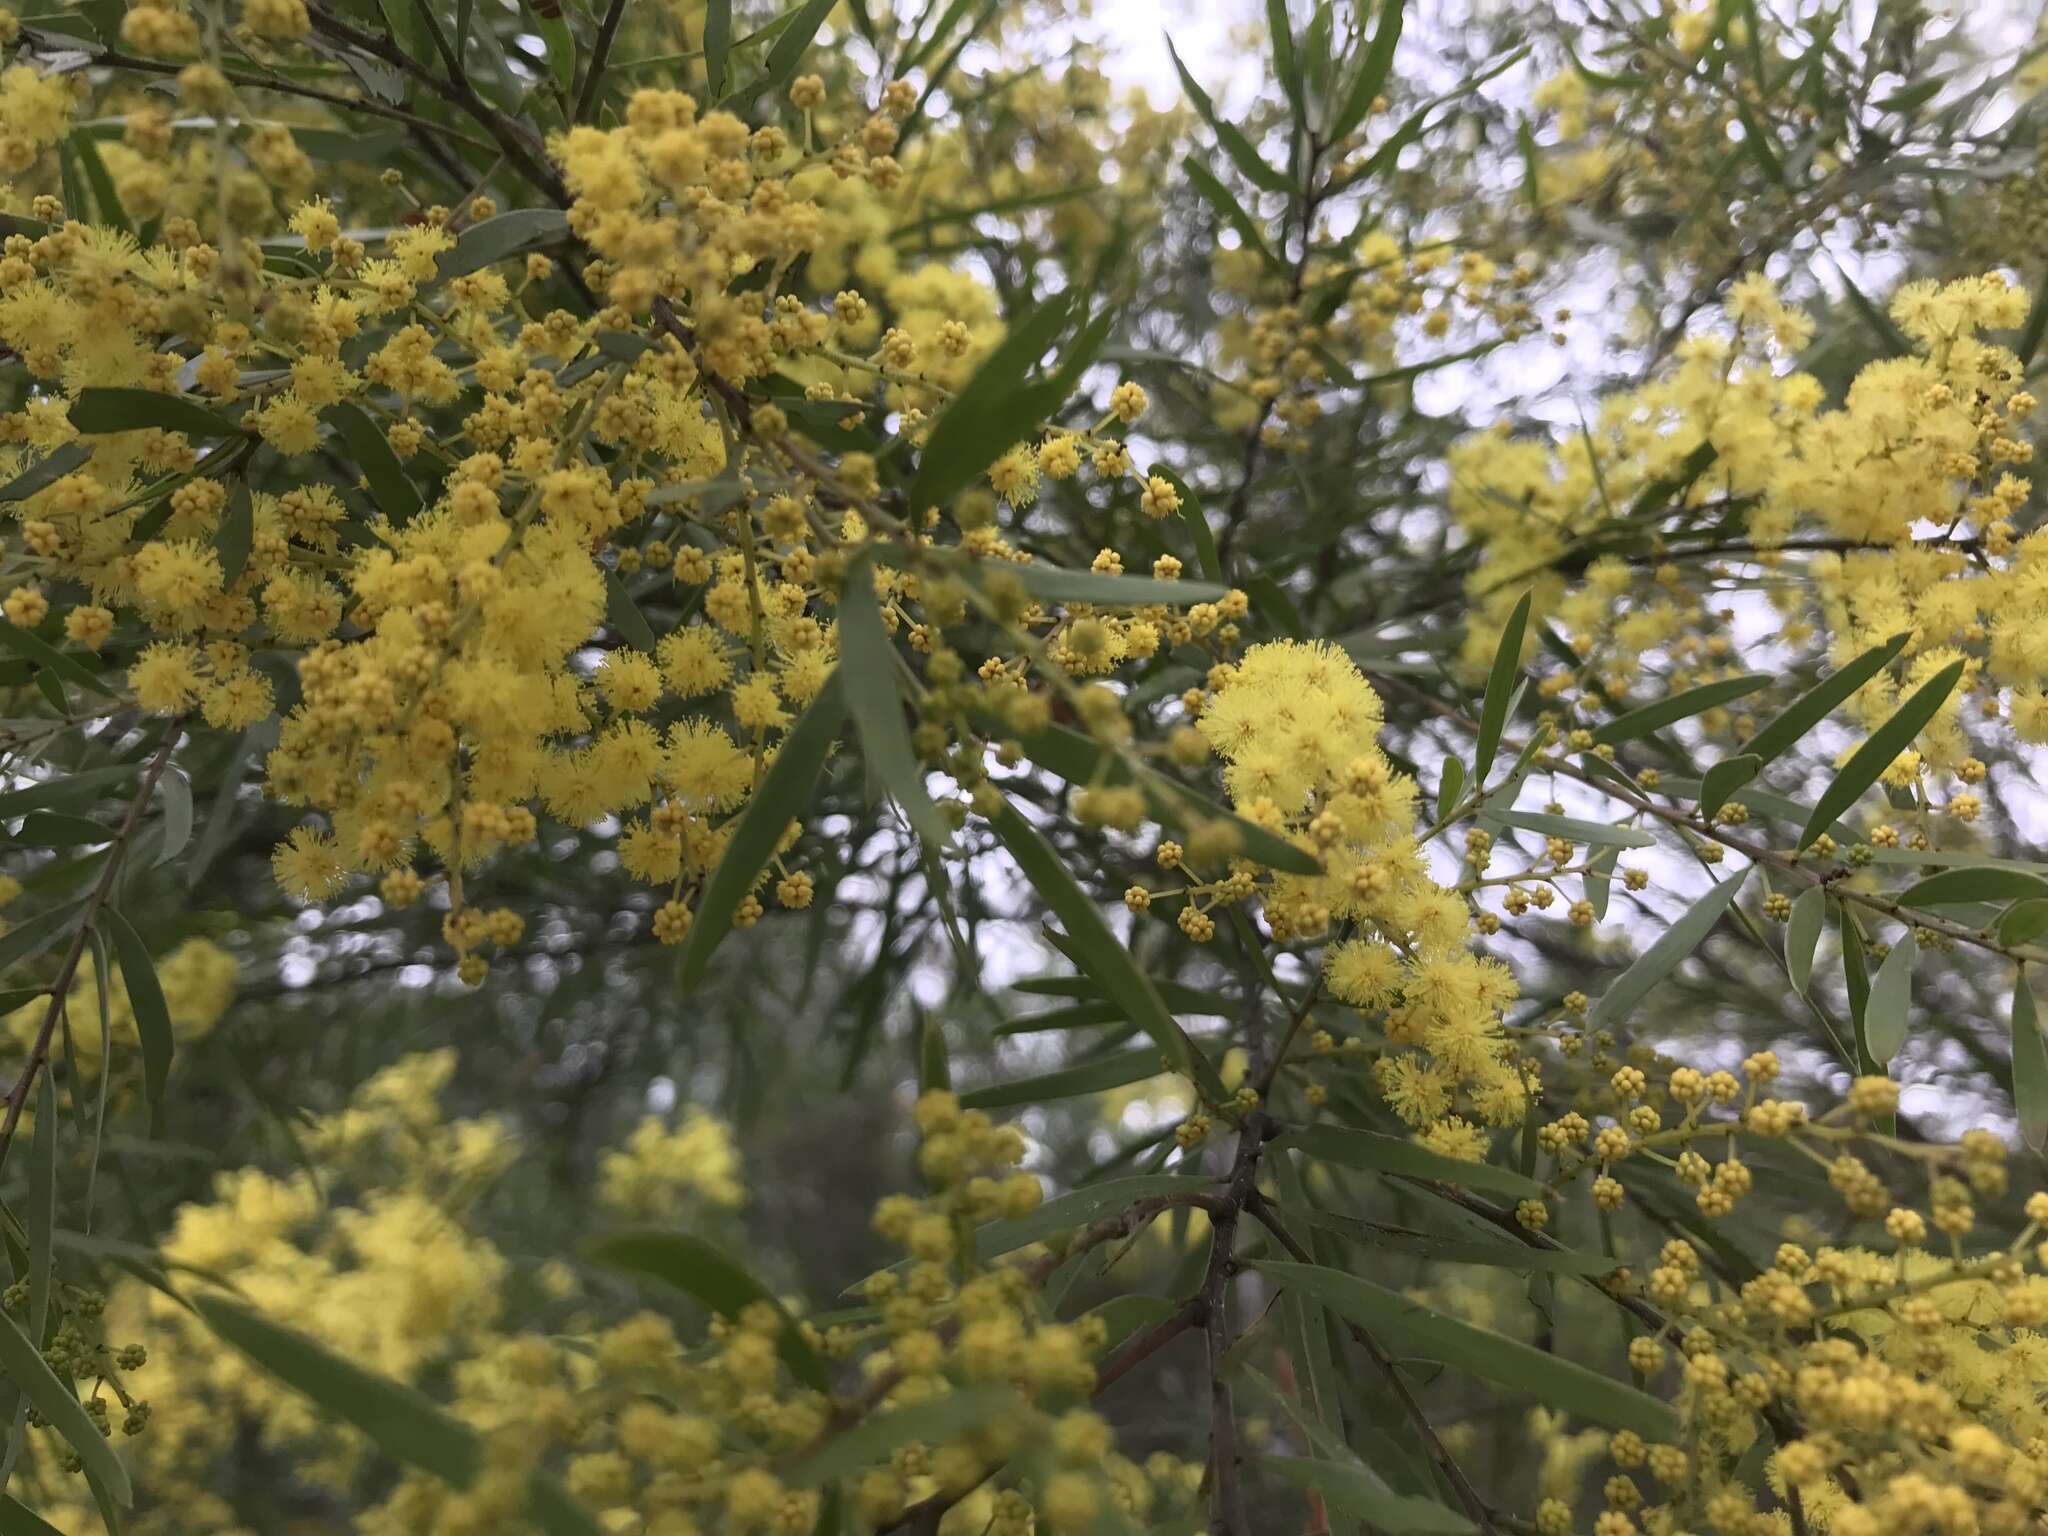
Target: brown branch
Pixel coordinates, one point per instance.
(95, 902)
(600, 55)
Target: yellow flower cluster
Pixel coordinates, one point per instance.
(1899, 503)
(372, 1249)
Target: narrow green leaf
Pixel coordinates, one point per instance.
(146, 998)
(1449, 787)
(81, 788)
(2026, 922)
(1079, 1016)
(792, 42)
(1822, 699)
(1095, 1076)
(693, 1266)
(1286, 66)
(41, 1209)
(1679, 706)
(46, 471)
(1500, 685)
(1960, 887)
(1390, 1154)
(1103, 954)
(17, 1519)
(405, 1424)
(993, 411)
(624, 615)
(1078, 1208)
(934, 1070)
(395, 494)
(41, 653)
(54, 829)
(873, 1439)
(131, 410)
(1228, 134)
(2029, 1064)
(1080, 760)
(1802, 934)
(1891, 990)
(1600, 880)
(1663, 956)
(1197, 522)
(1871, 759)
(236, 534)
(1724, 778)
(1374, 66)
(717, 43)
(23, 1362)
(1420, 1331)
(1178, 996)
(1891, 339)
(874, 698)
(30, 936)
(785, 791)
(1504, 1254)
(502, 235)
(1856, 981)
(1358, 1490)
(1230, 210)
(1596, 834)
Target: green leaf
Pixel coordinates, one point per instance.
(1098, 1075)
(2026, 922)
(624, 615)
(873, 1439)
(1884, 1020)
(1358, 1490)
(1052, 584)
(1376, 64)
(1724, 778)
(784, 792)
(1758, 144)
(874, 698)
(54, 829)
(1449, 787)
(146, 998)
(1197, 520)
(1679, 706)
(995, 409)
(792, 42)
(405, 1424)
(1228, 134)
(1663, 956)
(1390, 1154)
(1596, 834)
(1420, 1331)
(46, 471)
(1877, 754)
(502, 235)
(1230, 210)
(132, 410)
(41, 1223)
(1960, 887)
(1891, 340)
(22, 1361)
(2029, 1064)
(1101, 954)
(1802, 934)
(693, 1266)
(1080, 760)
(1822, 699)
(17, 1519)
(1600, 880)
(30, 936)
(717, 43)
(1285, 65)
(396, 496)
(82, 787)
(41, 653)
(1504, 1254)
(236, 534)
(1500, 686)
(1079, 1207)
(1079, 1016)
(934, 1069)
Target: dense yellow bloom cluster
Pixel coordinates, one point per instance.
(373, 1250)
(1899, 503)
